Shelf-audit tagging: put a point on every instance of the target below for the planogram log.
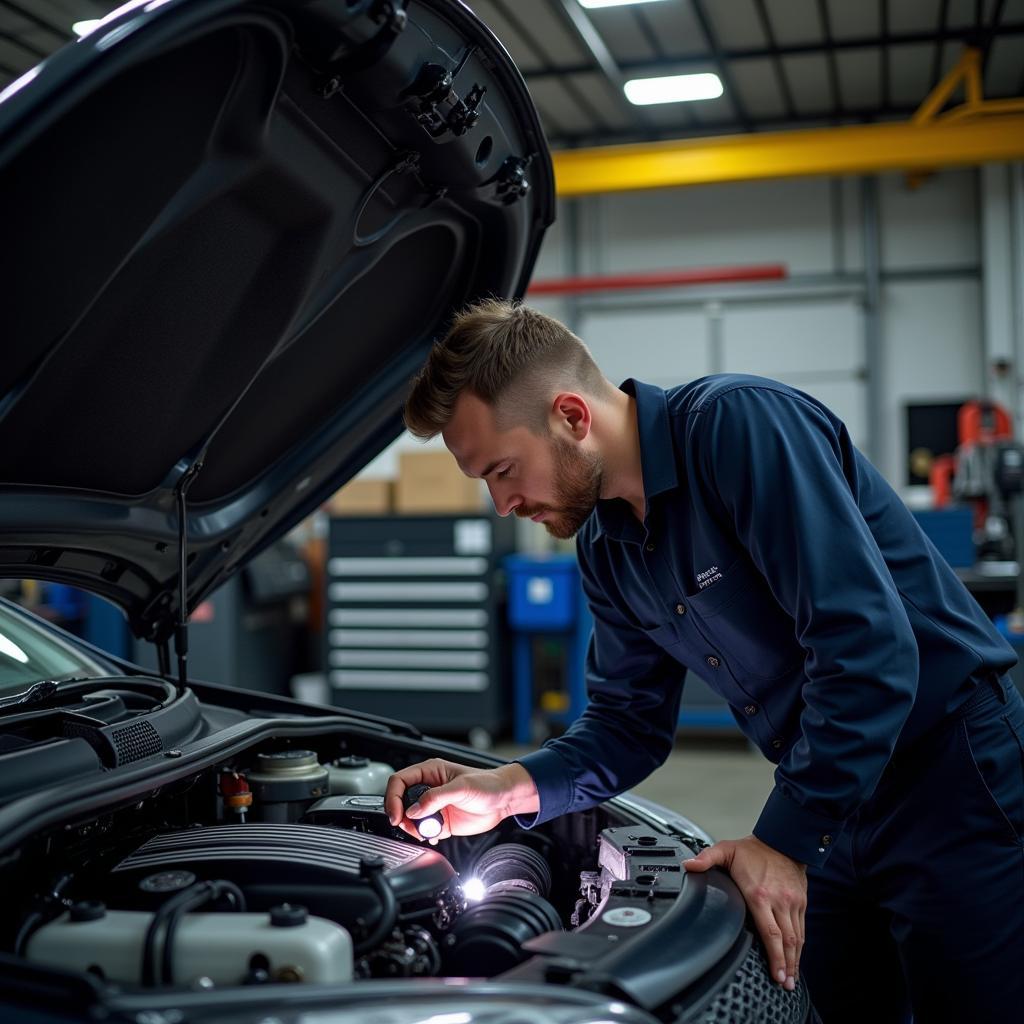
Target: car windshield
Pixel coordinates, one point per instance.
(29, 654)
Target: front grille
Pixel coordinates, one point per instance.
(136, 741)
(753, 998)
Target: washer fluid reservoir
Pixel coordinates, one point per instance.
(358, 775)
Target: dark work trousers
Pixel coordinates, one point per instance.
(919, 909)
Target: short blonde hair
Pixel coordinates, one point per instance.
(507, 354)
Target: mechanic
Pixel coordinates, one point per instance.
(730, 527)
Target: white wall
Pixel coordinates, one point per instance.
(808, 331)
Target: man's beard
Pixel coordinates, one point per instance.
(578, 478)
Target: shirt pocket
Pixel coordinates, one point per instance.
(740, 615)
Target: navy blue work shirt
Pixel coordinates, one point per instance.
(776, 563)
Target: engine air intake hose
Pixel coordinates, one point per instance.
(512, 867)
(488, 938)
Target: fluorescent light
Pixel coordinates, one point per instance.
(83, 28)
(673, 89)
(593, 5)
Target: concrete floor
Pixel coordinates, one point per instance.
(720, 784)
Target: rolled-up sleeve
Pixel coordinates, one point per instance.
(785, 474)
(628, 727)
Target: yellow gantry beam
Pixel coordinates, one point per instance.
(857, 149)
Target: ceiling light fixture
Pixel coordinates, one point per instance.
(673, 89)
(593, 5)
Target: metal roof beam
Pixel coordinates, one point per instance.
(23, 44)
(643, 23)
(61, 31)
(883, 16)
(584, 29)
(940, 38)
(639, 67)
(990, 33)
(830, 51)
(780, 71)
(722, 63)
(854, 149)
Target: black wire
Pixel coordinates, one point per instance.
(54, 899)
(188, 899)
(218, 889)
(28, 926)
(372, 869)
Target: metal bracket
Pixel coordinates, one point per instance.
(512, 183)
(436, 106)
(393, 18)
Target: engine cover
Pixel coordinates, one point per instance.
(314, 866)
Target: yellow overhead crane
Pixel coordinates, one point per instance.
(976, 132)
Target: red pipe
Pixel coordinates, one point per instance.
(657, 279)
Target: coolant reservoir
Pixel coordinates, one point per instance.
(358, 775)
(287, 943)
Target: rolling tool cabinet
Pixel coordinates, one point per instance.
(414, 619)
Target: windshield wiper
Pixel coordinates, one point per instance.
(40, 691)
(35, 693)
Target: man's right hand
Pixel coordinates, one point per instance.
(470, 800)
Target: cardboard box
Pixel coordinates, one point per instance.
(365, 497)
(431, 482)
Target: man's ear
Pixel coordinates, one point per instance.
(571, 415)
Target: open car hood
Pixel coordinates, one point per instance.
(232, 230)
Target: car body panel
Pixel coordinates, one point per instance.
(233, 229)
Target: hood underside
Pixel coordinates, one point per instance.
(232, 231)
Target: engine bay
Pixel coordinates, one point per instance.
(282, 866)
(253, 851)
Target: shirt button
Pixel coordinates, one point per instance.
(712, 661)
(680, 609)
(650, 547)
(826, 840)
(777, 743)
(751, 709)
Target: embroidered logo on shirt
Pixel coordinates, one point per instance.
(708, 576)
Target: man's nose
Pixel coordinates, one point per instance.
(504, 504)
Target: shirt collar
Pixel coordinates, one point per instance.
(657, 461)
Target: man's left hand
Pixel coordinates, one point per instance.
(775, 888)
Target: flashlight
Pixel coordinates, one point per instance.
(429, 827)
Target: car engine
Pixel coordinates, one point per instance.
(291, 885)
(280, 865)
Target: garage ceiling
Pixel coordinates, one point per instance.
(782, 62)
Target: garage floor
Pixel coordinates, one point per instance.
(720, 784)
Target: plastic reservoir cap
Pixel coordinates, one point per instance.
(352, 761)
(288, 915)
(431, 826)
(88, 910)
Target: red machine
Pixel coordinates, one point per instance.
(981, 426)
(986, 470)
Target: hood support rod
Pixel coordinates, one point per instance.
(181, 626)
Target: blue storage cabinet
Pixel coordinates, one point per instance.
(543, 592)
(545, 597)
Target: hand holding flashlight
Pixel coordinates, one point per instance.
(463, 800)
(431, 826)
